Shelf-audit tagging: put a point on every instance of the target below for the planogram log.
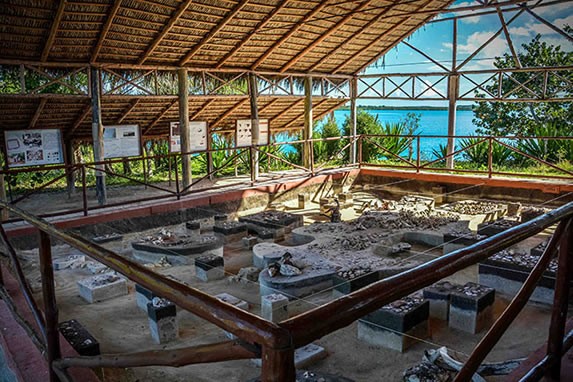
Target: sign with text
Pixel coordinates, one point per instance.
(198, 136)
(244, 132)
(121, 141)
(33, 147)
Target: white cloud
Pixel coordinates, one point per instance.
(564, 21)
(467, 20)
(495, 48)
(519, 31)
(553, 10)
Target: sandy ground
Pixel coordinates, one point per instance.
(120, 326)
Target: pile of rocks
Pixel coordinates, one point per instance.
(405, 304)
(103, 280)
(471, 207)
(522, 259)
(355, 272)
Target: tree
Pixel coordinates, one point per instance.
(523, 118)
(323, 150)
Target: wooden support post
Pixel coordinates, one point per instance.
(255, 131)
(3, 212)
(184, 127)
(97, 135)
(353, 95)
(50, 304)
(560, 302)
(70, 173)
(453, 91)
(307, 131)
(278, 365)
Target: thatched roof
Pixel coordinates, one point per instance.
(323, 37)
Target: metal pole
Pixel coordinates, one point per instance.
(50, 304)
(353, 95)
(560, 302)
(97, 135)
(84, 191)
(185, 132)
(307, 131)
(255, 130)
(70, 170)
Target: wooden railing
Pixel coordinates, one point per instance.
(276, 343)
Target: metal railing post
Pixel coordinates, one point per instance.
(84, 191)
(560, 302)
(50, 304)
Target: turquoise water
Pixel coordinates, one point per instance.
(432, 122)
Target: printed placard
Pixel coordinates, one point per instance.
(121, 141)
(198, 136)
(33, 147)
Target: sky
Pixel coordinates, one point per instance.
(435, 39)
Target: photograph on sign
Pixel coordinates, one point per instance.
(121, 141)
(198, 136)
(33, 147)
(243, 133)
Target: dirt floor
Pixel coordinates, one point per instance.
(120, 326)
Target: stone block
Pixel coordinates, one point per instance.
(230, 299)
(95, 267)
(458, 240)
(397, 325)
(345, 199)
(78, 336)
(439, 194)
(345, 285)
(471, 308)
(143, 296)
(274, 307)
(500, 225)
(102, 287)
(438, 296)
(249, 241)
(220, 218)
(162, 317)
(230, 230)
(324, 204)
(209, 268)
(193, 228)
(70, 261)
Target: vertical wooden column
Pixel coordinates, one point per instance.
(353, 95)
(69, 161)
(3, 212)
(255, 131)
(97, 135)
(278, 365)
(453, 90)
(184, 126)
(50, 304)
(560, 302)
(307, 160)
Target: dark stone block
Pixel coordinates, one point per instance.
(229, 228)
(491, 229)
(400, 321)
(272, 219)
(483, 298)
(80, 339)
(193, 225)
(514, 272)
(345, 286)
(157, 313)
(440, 291)
(144, 291)
(209, 262)
(220, 218)
(261, 232)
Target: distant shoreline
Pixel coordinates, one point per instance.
(382, 107)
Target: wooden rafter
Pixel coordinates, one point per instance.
(268, 106)
(324, 36)
(329, 110)
(53, 31)
(405, 19)
(204, 107)
(548, 24)
(105, 29)
(37, 114)
(182, 8)
(160, 116)
(248, 38)
(229, 112)
(295, 119)
(85, 112)
(508, 38)
(289, 108)
(295, 29)
(129, 109)
(213, 32)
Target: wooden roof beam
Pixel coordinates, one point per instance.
(324, 36)
(329, 110)
(289, 108)
(268, 106)
(204, 107)
(229, 112)
(160, 116)
(53, 31)
(37, 113)
(257, 29)
(302, 114)
(105, 29)
(85, 112)
(182, 8)
(132, 105)
(295, 29)
(213, 32)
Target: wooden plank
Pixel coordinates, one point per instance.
(53, 31)
(182, 8)
(229, 112)
(124, 114)
(105, 29)
(38, 112)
